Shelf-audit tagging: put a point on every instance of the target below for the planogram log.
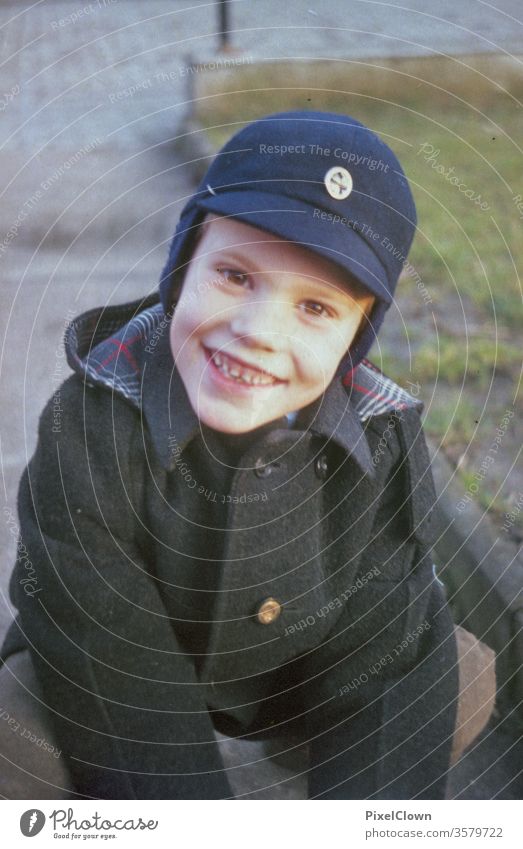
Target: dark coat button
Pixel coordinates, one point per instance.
(268, 611)
(262, 469)
(321, 467)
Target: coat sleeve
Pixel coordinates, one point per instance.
(123, 697)
(381, 692)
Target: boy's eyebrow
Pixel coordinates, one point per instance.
(229, 252)
(334, 290)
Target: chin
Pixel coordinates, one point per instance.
(236, 424)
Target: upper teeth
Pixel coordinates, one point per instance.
(231, 368)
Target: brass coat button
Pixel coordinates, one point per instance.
(268, 611)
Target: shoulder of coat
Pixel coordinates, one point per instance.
(374, 394)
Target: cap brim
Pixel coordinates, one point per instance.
(297, 222)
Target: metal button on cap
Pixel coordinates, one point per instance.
(268, 611)
(338, 183)
(262, 469)
(321, 467)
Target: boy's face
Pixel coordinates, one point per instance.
(260, 326)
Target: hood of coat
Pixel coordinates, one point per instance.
(114, 347)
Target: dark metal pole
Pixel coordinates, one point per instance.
(224, 24)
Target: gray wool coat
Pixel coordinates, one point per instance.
(152, 542)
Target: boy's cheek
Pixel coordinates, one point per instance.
(186, 322)
(195, 309)
(316, 369)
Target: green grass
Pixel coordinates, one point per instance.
(487, 497)
(456, 363)
(453, 418)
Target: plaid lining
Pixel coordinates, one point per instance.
(105, 352)
(373, 393)
(107, 348)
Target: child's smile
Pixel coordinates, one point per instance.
(237, 371)
(260, 326)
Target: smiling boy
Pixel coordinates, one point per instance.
(270, 332)
(301, 604)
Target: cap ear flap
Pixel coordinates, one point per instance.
(175, 286)
(183, 244)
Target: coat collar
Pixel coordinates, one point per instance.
(334, 417)
(126, 349)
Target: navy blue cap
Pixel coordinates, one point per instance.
(321, 180)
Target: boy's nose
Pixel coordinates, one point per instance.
(260, 324)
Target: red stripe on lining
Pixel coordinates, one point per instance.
(392, 404)
(369, 392)
(123, 348)
(127, 354)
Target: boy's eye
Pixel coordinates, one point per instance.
(315, 308)
(238, 278)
